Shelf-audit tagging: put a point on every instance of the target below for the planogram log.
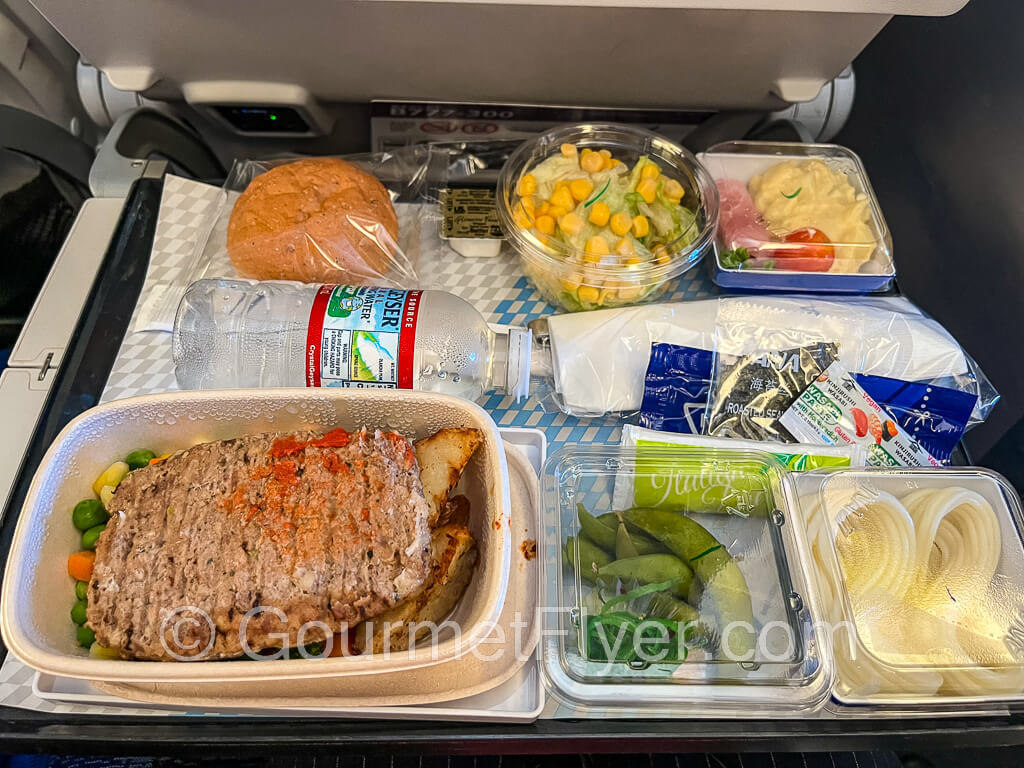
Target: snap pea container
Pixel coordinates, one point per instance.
(570, 278)
(921, 576)
(859, 266)
(717, 616)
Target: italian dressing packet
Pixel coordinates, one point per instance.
(835, 410)
(704, 491)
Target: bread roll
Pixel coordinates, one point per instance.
(320, 220)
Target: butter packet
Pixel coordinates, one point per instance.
(835, 410)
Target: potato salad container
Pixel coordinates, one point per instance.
(921, 576)
(674, 581)
(797, 217)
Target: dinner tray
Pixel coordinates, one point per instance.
(98, 351)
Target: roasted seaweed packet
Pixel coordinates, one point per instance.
(749, 393)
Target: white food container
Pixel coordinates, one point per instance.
(38, 593)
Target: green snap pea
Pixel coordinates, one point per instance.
(585, 556)
(624, 546)
(139, 459)
(78, 612)
(644, 544)
(714, 566)
(651, 569)
(596, 531)
(86, 637)
(91, 536)
(697, 629)
(88, 513)
(81, 589)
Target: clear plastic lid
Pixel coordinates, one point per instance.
(922, 581)
(790, 207)
(674, 579)
(603, 215)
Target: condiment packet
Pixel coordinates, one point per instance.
(750, 392)
(835, 410)
(638, 491)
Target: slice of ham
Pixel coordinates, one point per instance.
(739, 223)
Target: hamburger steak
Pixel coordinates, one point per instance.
(328, 528)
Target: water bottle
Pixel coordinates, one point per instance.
(239, 333)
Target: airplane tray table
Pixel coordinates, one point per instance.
(97, 366)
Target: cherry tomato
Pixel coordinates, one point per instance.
(813, 252)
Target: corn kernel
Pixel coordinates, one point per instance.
(673, 190)
(591, 162)
(607, 161)
(596, 246)
(545, 224)
(522, 219)
(527, 185)
(571, 224)
(581, 189)
(599, 213)
(641, 227)
(529, 204)
(568, 150)
(543, 239)
(588, 293)
(616, 162)
(543, 209)
(571, 282)
(563, 197)
(632, 261)
(621, 223)
(630, 294)
(661, 255)
(556, 211)
(648, 189)
(624, 247)
(650, 171)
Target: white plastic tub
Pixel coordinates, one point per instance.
(38, 593)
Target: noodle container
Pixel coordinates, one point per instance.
(741, 160)
(921, 578)
(38, 593)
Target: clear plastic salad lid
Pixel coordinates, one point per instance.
(791, 207)
(674, 579)
(921, 581)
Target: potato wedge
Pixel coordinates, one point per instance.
(452, 555)
(442, 457)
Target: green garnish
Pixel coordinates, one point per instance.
(790, 197)
(733, 259)
(597, 197)
(707, 551)
(633, 594)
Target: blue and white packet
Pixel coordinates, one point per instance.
(676, 389)
(678, 381)
(936, 416)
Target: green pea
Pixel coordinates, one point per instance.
(81, 589)
(139, 459)
(78, 612)
(91, 536)
(89, 513)
(86, 637)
